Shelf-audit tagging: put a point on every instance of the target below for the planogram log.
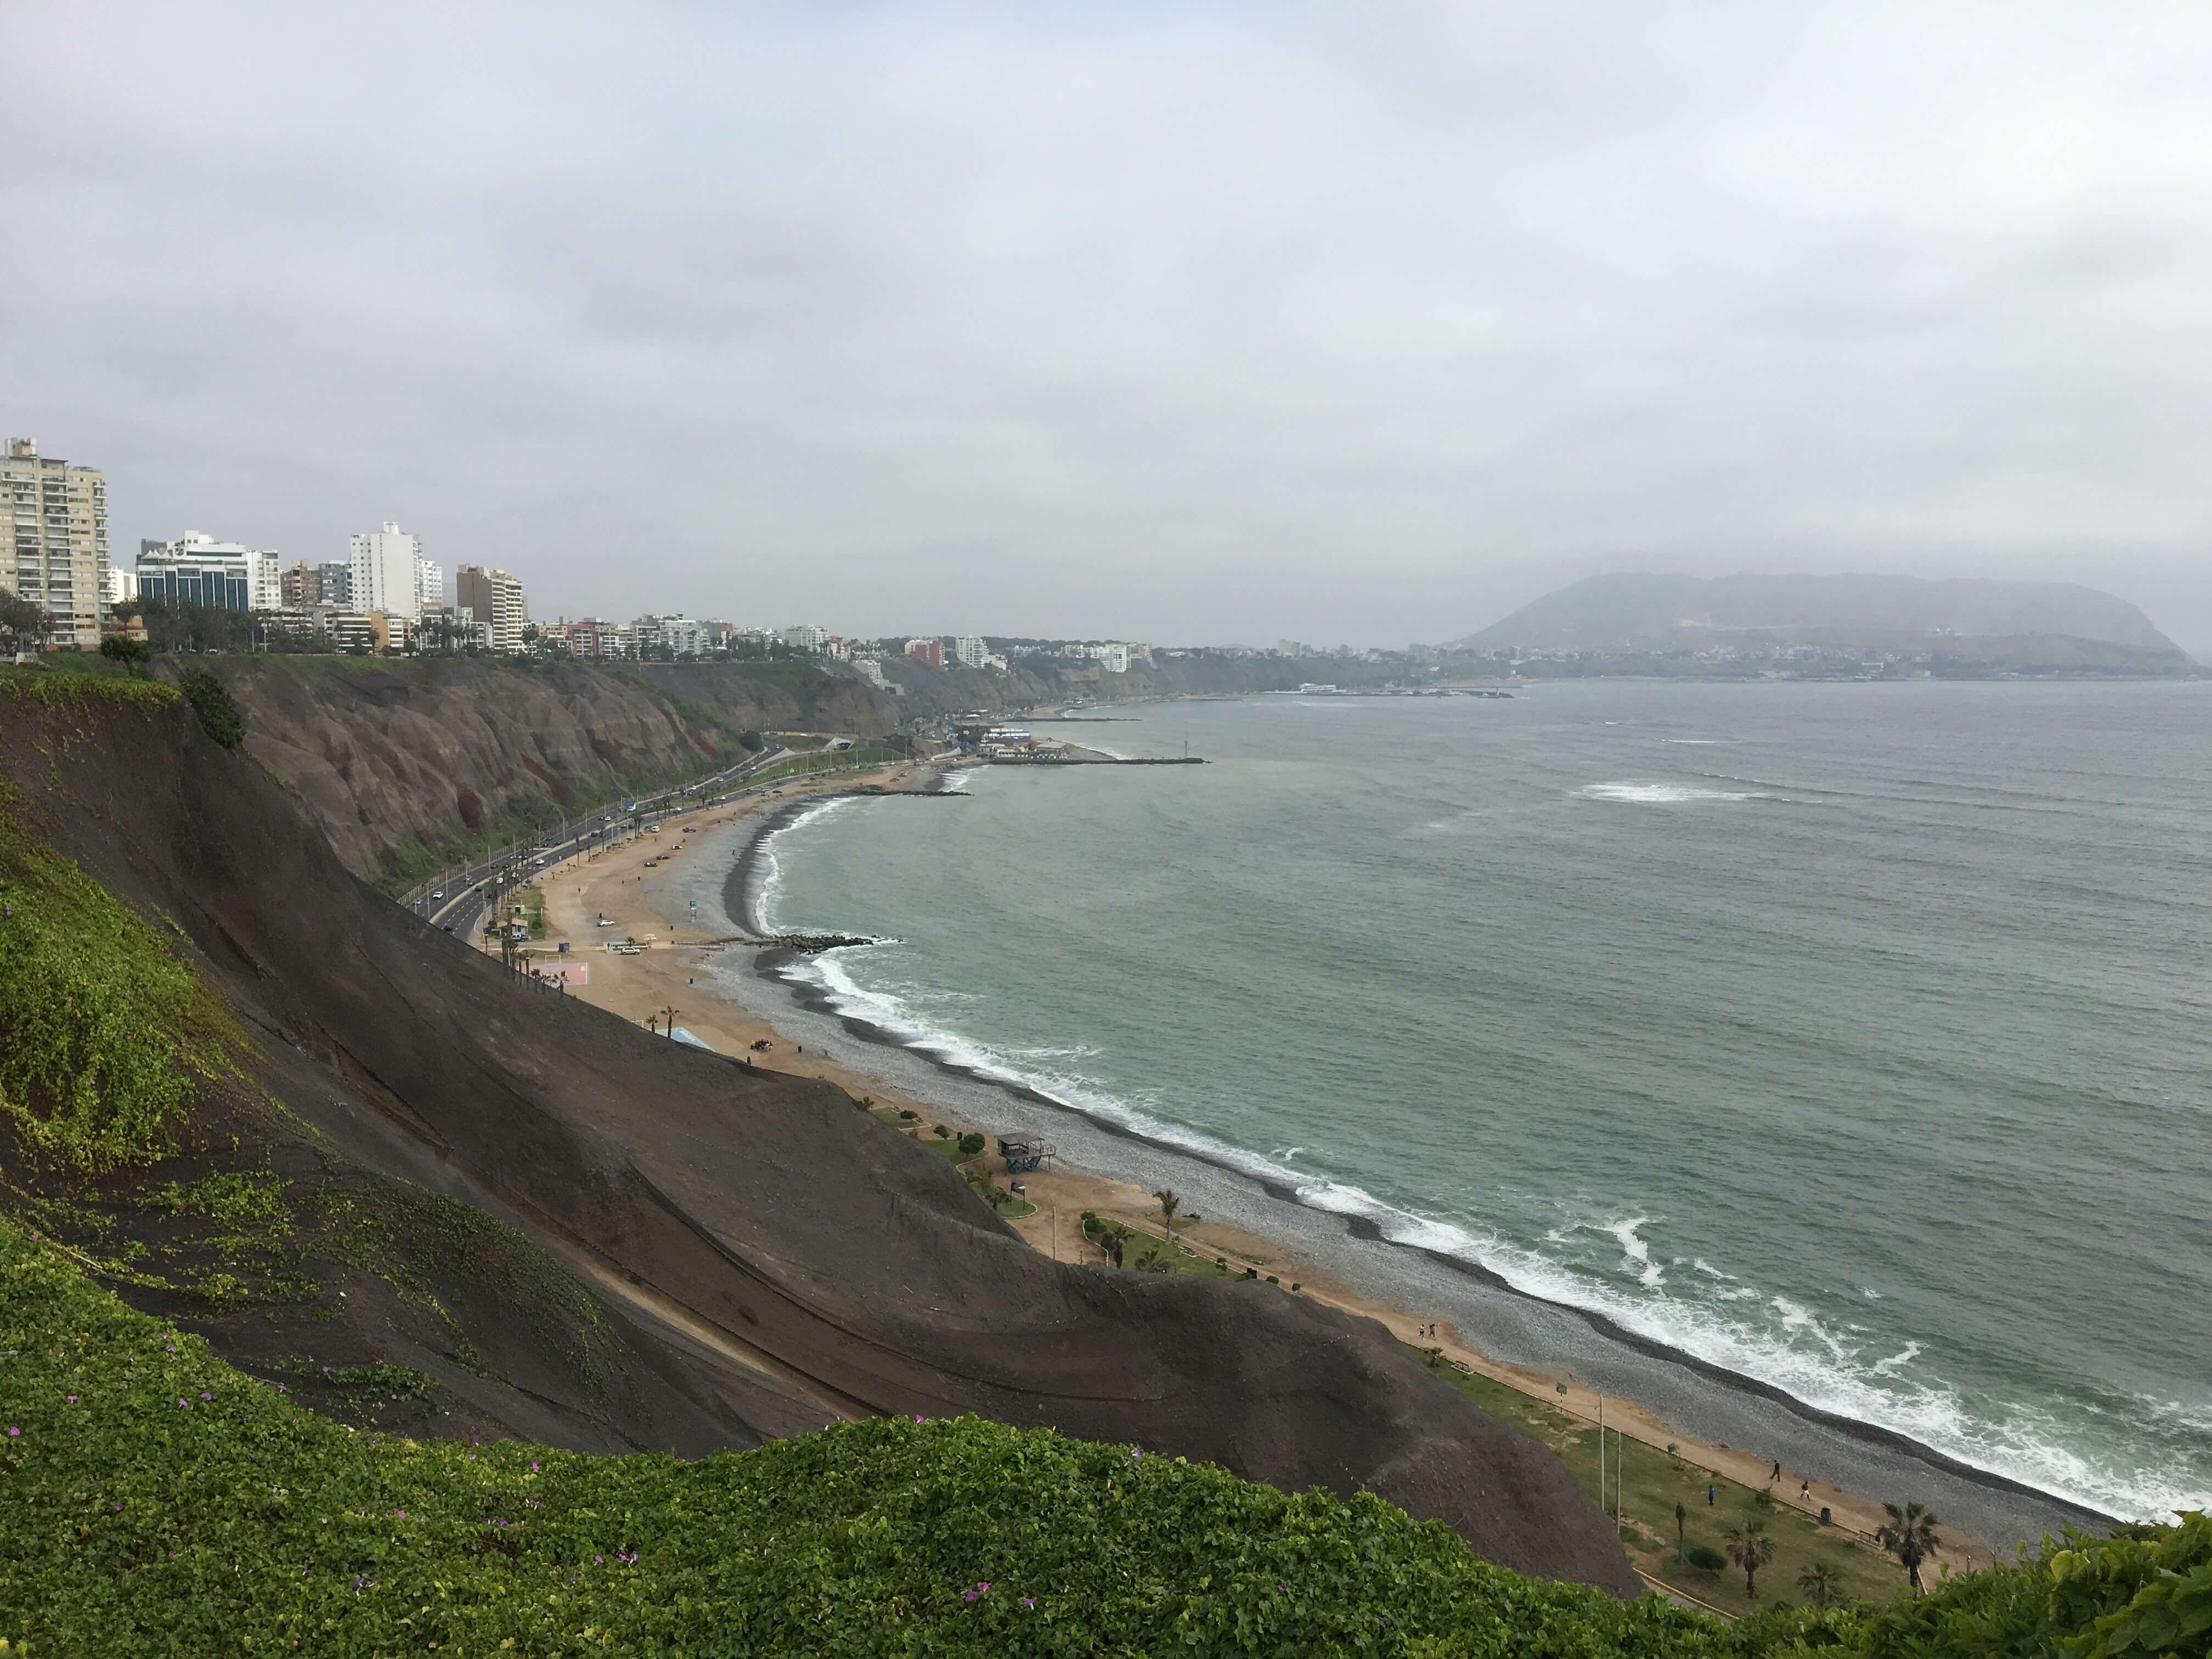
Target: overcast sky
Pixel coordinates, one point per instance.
(1173, 322)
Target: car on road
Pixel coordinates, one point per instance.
(439, 893)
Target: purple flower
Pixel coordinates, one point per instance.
(205, 1396)
(180, 1399)
(72, 1400)
(1029, 1600)
(598, 1560)
(533, 1466)
(13, 1431)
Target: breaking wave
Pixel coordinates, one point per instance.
(1665, 794)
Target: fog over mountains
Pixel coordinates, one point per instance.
(1648, 612)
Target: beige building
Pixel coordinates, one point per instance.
(494, 599)
(59, 513)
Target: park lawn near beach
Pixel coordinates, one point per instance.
(1654, 1482)
(974, 1166)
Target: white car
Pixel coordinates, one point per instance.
(439, 895)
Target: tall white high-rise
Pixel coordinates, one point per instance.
(387, 573)
(429, 585)
(60, 515)
(971, 650)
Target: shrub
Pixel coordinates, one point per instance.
(220, 717)
(970, 1145)
(131, 653)
(1706, 1558)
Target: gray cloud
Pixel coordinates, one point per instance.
(1182, 322)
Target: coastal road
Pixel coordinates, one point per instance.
(470, 892)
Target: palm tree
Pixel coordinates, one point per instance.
(1750, 1548)
(1169, 1202)
(1909, 1535)
(1823, 1584)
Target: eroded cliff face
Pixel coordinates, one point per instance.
(389, 754)
(393, 756)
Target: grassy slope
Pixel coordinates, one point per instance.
(158, 1502)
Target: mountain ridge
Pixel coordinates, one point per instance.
(1652, 610)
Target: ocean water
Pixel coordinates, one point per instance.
(1852, 1039)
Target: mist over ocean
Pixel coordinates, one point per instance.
(1852, 1038)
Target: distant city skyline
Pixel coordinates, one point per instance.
(1202, 324)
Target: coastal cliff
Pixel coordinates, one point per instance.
(394, 757)
(376, 1154)
(389, 754)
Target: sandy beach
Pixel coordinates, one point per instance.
(615, 886)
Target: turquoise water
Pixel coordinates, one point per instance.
(1852, 1038)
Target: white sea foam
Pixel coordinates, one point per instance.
(768, 902)
(1889, 1367)
(1636, 1254)
(1663, 794)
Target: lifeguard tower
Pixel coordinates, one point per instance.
(1022, 1152)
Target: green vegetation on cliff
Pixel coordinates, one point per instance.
(105, 1034)
(158, 1502)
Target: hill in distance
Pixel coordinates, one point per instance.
(2057, 624)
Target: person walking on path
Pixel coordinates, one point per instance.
(1776, 1475)
(1708, 1495)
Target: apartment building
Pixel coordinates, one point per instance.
(198, 569)
(334, 578)
(804, 636)
(592, 638)
(387, 572)
(59, 516)
(929, 650)
(970, 651)
(495, 599)
(429, 586)
(680, 636)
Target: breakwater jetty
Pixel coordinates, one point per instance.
(1055, 759)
